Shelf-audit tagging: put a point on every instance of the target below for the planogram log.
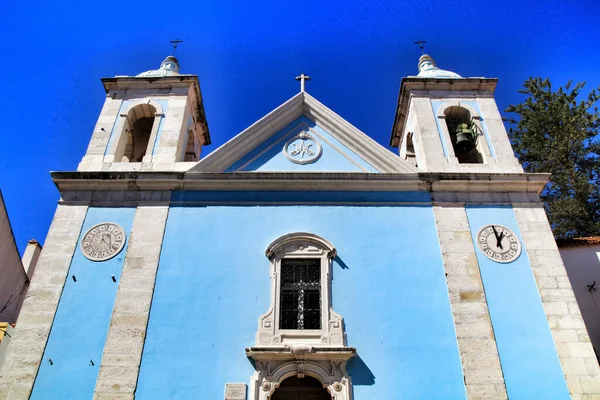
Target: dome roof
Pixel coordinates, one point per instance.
(169, 67)
(429, 69)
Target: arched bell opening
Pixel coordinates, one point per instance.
(463, 135)
(295, 388)
(137, 130)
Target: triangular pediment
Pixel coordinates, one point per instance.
(302, 135)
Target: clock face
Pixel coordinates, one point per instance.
(103, 241)
(498, 243)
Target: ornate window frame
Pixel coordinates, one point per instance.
(301, 245)
(320, 353)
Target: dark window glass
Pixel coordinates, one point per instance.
(300, 301)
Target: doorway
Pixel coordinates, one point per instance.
(306, 388)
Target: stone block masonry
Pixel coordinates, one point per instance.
(573, 345)
(478, 353)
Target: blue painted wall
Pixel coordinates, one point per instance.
(388, 283)
(81, 323)
(529, 359)
(269, 156)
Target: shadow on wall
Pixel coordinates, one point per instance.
(359, 372)
(341, 263)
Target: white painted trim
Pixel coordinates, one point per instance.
(318, 241)
(342, 153)
(238, 146)
(266, 149)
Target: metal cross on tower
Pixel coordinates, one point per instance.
(175, 43)
(302, 78)
(421, 43)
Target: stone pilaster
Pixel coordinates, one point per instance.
(575, 351)
(476, 341)
(94, 155)
(122, 355)
(37, 314)
(173, 134)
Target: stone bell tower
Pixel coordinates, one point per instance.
(447, 123)
(153, 121)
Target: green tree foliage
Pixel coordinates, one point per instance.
(556, 133)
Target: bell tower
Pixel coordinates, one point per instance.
(447, 123)
(153, 121)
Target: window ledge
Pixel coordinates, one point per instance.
(301, 352)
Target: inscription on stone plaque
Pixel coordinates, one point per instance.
(235, 391)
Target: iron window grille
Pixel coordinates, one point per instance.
(300, 298)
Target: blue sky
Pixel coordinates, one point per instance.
(247, 54)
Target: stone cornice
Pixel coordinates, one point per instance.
(301, 352)
(290, 181)
(146, 82)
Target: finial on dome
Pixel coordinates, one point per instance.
(170, 64)
(428, 69)
(426, 63)
(169, 67)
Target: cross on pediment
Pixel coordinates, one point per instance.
(302, 78)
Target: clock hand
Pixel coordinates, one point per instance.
(498, 238)
(104, 241)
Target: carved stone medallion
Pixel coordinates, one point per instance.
(303, 149)
(103, 241)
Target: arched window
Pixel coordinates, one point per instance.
(300, 337)
(301, 309)
(463, 135)
(136, 131)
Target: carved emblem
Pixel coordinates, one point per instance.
(303, 149)
(103, 241)
(337, 386)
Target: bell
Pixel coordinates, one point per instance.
(464, 139)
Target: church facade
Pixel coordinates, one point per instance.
(300, 260)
